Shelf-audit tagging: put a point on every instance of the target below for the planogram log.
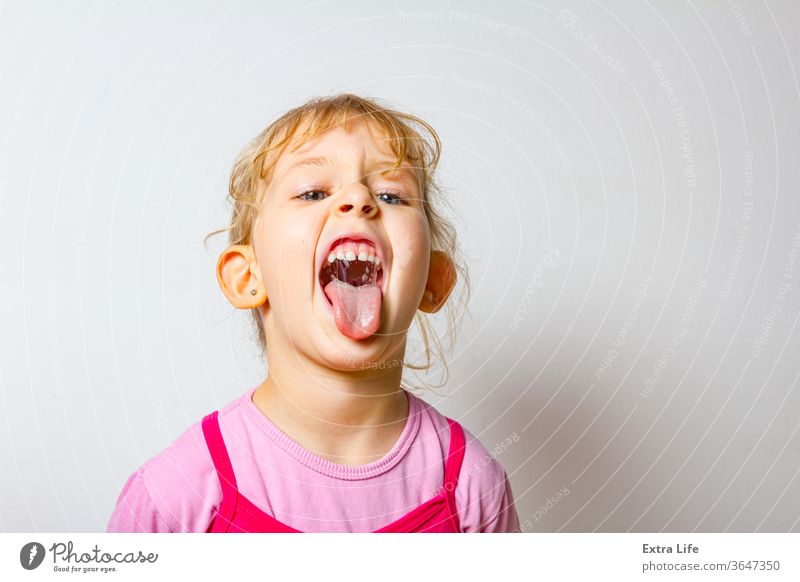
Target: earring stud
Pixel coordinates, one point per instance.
(253, 291)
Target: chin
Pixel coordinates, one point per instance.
(340, 352)
(344, 357)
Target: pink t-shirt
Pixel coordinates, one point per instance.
(178, 489)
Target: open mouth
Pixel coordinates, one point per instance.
(354, 272)
(351, 278)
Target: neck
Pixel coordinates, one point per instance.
(348, 417)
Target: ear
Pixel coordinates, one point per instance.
(238, 276)
(441, 280)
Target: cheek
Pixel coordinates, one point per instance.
(283, 250)
(411, 250)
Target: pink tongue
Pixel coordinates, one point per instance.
(357, 309)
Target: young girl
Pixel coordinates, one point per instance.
(336, 247)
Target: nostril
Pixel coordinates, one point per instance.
(346, 207)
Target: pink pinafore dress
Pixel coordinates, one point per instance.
(237, 514)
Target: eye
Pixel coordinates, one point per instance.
(391, 198)
(315, 194)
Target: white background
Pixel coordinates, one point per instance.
(596, 157)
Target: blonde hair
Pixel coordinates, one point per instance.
(411, 140)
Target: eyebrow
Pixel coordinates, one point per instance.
(400, 173)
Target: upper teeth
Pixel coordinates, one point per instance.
(350, 251)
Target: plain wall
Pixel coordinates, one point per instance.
(625, 180)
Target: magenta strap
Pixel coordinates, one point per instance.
(452, 468)
(222, 463)
(454, 457)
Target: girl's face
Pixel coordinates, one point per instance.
(334, 195)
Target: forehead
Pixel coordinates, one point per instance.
(356, 134)
(337, 144)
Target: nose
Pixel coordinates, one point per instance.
(356, 201)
